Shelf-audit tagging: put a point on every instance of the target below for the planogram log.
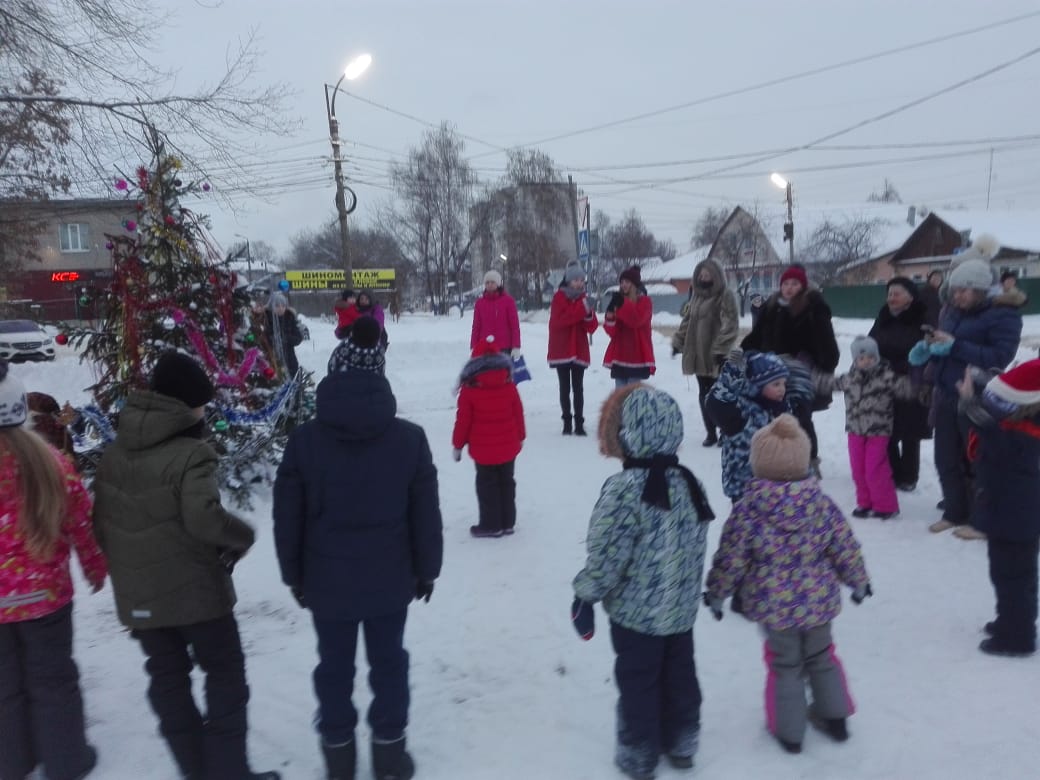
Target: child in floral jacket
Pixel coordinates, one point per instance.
(646, 547)
(44, 515)
(787, 547)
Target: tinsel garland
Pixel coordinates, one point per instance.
(249, 360)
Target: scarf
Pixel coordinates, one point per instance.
(571, 293)
(655, 492)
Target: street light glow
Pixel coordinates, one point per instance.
(357, 66)
(778, 180)
(503, 258)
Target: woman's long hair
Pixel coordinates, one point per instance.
(41, 490)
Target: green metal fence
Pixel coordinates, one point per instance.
(864, 300)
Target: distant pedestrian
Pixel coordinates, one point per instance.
(346, 313)
(44, 514)
(630, 353)
(572, 320)
(283, 334)
(489, 420)
(494, 314)
(706, 334)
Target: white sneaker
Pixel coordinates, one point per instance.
(968, 532)
(940, 525)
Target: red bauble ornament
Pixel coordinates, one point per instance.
(170, 220)
(62, 339)
(269, 373)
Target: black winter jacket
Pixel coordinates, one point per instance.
(357, 519)
(801, 329)
(895, 335)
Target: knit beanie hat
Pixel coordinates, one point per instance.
(277, 299)
(493, 276)
(780, 451)
(572, 272)
(973, 275)
(763, 368)
(905, 283)
(797, 273)
(179, 376)
(633, 275)
(864, 345)
(366, 332)
(485, 347)
(13, 406)
(1020, 385)
(362, 351)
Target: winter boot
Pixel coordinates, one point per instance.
(90, 761)
(567, 429)
(711, 439)
(189, 753)
(790, 747)
(834, 728)
(998, 646)
(265, 776)
(390, 761)
(340, 760)
(579, 426)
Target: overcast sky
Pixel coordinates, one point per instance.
(508, 73)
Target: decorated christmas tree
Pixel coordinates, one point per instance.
(171, 290)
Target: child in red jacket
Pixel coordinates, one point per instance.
(630, 353)
(490, 419)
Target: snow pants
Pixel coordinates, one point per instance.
(388, 677)
(659, 709)
(872, 473)
(790, 657)
(496, 496)
(1013, 572)
(41, 709)
(211, 746)
(956, 476)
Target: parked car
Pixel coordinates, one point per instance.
(24, 340)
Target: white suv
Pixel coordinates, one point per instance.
(24, 340)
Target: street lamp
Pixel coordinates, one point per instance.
(785, 185)
(354, 68)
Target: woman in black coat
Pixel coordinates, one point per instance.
(283, 333)
(896, 329)
(796, 321)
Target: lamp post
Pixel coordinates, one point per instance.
(785, 185)
(354, 68)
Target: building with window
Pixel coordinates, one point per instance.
(71, 263)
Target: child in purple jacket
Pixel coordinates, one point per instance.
(787, 547)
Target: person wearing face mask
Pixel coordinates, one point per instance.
(706, 334)
(897, 327)
(796, 321)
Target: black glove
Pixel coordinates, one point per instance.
(714, 604)
(423, 591)
(720, 360)
(584, 618)
(862, 593)
(615, 301)
(297, 593)
(228, 558)
(675, 351)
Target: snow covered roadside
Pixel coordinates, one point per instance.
(503, 688)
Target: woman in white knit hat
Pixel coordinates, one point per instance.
(974, 329)
(494, 314)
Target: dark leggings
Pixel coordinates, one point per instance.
(704, 385)
(572, 375)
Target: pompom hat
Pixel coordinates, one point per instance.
(763, 368)
(572, 272)
(493, 276)
(13, 405)
(864, 345)
(973, 275)
(633, 275)
(1020, 385)
(780, 451)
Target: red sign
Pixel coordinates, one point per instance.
(65, 276)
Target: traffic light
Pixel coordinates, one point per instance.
(788, 231)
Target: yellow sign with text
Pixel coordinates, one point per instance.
(332, 279)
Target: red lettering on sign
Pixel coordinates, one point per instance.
(65, 276)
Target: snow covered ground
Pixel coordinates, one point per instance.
(503, 688)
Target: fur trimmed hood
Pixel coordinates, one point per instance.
(639, 421)
(493, 361)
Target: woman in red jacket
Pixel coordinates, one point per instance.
(490, 419)
(630, 353)
(494, 314)
(571, 320)
(44, 510)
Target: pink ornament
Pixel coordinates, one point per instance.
(109, 245)
(170, 220)
(121, 184)
(205, 186)
(131, 226)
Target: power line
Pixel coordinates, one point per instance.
(785, 79)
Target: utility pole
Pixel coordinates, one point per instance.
(341, 199)
(989, 182)
(789, 227)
